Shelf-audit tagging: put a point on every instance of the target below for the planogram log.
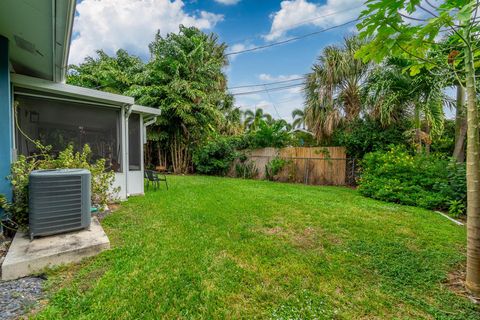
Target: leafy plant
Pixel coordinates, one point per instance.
(245, 169)
(457, 208)
(274, 166)
(267, 134)
(418, 180)
(101, 180)
(216, 156)
(367, 135)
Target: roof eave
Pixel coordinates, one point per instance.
(61, 59)
(70, 91)
(145, 110)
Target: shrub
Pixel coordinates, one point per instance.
(366, 135)
(101, 180)
(274, 166)
(245, 169)
(425, 181)
(303, 139)
(216, 156)
(273, 135)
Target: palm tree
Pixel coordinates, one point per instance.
(333, 88)
(298, 116)
(253, 118)
(394, 95)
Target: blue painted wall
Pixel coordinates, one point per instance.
(5, 120)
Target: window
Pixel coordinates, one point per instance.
(134, 148)
(60, 123)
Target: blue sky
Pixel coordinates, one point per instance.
(131, 24)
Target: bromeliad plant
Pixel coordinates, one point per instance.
(102, 180)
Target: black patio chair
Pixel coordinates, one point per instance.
(155, 178)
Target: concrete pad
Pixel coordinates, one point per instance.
(26, 257)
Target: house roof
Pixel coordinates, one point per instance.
(39, 33)
(79, 94)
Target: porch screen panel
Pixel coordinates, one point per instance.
(61, 123)
(134, 147)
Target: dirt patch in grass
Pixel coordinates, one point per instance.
(224, 255)
(306, 239)
(91, 278)
(456, 283)
(112, 207)
(272, 231)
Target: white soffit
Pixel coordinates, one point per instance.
(67, 90)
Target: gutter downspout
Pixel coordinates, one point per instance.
(128, 112)
(145, 125)
(71, 6)
(54, 40)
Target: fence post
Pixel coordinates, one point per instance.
(307, 169)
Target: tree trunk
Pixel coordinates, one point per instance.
(460, 126)
(180, 154)
(418, 133)
(428, 140)
(473, 177)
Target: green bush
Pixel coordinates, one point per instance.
(274, 166)
(245, 169)
(273, 135)
(366, 135)
(101, 180)
(216, 156)
(418, 180)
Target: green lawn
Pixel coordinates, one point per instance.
(216, 248)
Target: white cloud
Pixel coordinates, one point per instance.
(296, 13)
(238, 47)
(129, 24)
(228, 2)
(270, 78)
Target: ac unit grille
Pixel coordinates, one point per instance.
(59, 201)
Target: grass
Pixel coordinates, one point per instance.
(218, 248)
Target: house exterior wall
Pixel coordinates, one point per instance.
(5, 120)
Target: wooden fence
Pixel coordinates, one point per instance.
(318, 165)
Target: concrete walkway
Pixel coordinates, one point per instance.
(27, 257)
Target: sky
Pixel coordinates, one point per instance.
(241, 24)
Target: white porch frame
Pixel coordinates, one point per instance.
(129, 181)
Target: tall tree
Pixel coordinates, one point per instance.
(332, 89)
(298, 116)
(389, 25)
(115, 74)
(393, 95)
(252, 119)
(184, 78)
